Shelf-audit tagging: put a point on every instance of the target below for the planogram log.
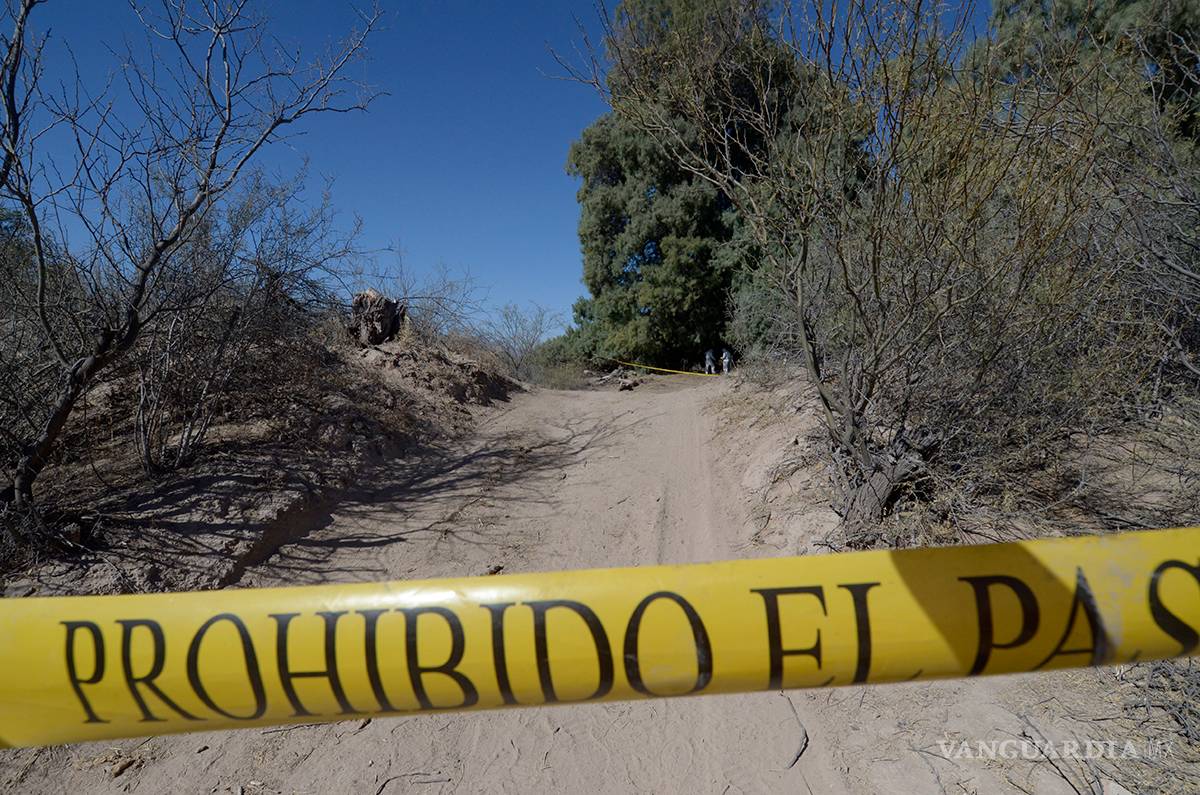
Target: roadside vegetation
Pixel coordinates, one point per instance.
(979, 247)
(190, 274)
(174, 317)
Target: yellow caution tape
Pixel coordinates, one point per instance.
(660, 369)
(87, 668)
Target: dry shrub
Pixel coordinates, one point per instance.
(563, 375)
(175, 262)
(247, 338)
(961, 256)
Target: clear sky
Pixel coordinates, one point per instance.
(463, 164)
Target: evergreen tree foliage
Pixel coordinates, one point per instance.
(656, 258)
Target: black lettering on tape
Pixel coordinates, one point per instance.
(146, 680)
(984, 620)
(862, 623)
(1099, 649)
(499, 655)
(541, 646)
(775, 650)
(371, 651)
(253, 675)
(704, 652)
(330, 671)
(458, 646)
(1167, 621)
(77, 682)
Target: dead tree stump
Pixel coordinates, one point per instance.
(374, 318)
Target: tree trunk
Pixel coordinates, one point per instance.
(36, 454)
(868, 502)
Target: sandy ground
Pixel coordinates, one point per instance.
(669, 473)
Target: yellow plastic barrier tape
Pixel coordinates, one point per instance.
(86, 668)
(660, 369)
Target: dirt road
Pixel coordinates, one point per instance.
(557, 480)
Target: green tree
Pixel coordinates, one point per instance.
(662, 241)
(655, 256)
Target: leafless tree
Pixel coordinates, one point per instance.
(266, 264)
(156, 157)
(515, 334)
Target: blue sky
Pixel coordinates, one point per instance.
(463, 164)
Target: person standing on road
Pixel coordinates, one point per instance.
(710, 362)
(726, 360)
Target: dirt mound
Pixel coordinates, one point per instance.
(430, 372)
(260, 484)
